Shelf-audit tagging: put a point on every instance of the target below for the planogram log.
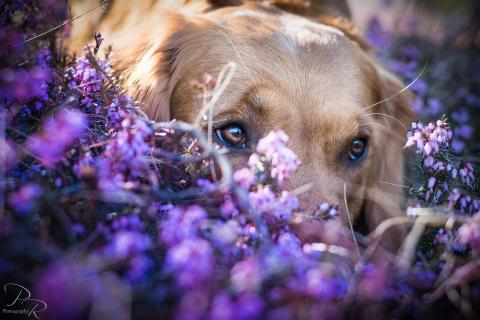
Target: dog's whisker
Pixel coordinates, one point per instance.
(373, 125)
(350, 220)
(391, 117)
(395, 184)
(302, 189)
(403, 89)
(237, 54)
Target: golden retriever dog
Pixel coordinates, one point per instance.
(300, 67)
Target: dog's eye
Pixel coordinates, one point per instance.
(358, 149)
(232, 135)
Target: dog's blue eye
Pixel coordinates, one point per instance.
(358, 150)
(232, 135)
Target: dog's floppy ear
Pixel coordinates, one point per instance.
(145, 36)
(152, 73)
(385, 195)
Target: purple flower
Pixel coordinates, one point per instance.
(57, 134)
(263, 199)
(128, 222)
(206, 185)
(23, 85)
(326, 210)
(464, 131)
(466, 173)
(67, 289)
(116, 112)
(285, 257)
(124, 159)
(226, 233)
(461, 116)
(431, 182)
(138, 266)
(454, 196)
(86, 77)
(223, 307)
(25, 199)
(228, 208)
(376, 35)
(373, 283)
(191, 262)
(434, 106)
(287, 204)
(280, 209)
(249, 306)
(127, 243)
(193, 305)
(323, 285)
(182, 224)
(246, 276)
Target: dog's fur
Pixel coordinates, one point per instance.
(301, 67)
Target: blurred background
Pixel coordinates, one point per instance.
(436, 41)
(435, 19)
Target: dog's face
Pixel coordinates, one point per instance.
(304, 78)
(308, 79)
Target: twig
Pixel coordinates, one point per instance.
(220, 87)
(63, 24)
(226, 180)
(409, 248)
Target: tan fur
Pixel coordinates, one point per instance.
(310, 76)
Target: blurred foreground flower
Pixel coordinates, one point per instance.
(57, 134)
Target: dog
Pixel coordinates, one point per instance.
(301, 67)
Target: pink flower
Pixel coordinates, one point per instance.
(282, 159)
(246, 276)
(429, 139)
(245, 177)
(469, 232)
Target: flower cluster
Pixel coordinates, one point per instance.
(428, 139)
(283, 160)
(443, 176)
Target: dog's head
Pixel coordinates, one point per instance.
(312, 80)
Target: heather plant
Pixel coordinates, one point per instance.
(106, 212)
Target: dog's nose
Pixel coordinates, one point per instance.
(315, 189)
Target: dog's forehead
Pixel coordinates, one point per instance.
(283, 26)
(306, 33)
(310, 67)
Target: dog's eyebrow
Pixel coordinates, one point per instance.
(253, 98)
(362, 126)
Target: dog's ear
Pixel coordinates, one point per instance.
(393, 115)
(152, 72)
(146, 37)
